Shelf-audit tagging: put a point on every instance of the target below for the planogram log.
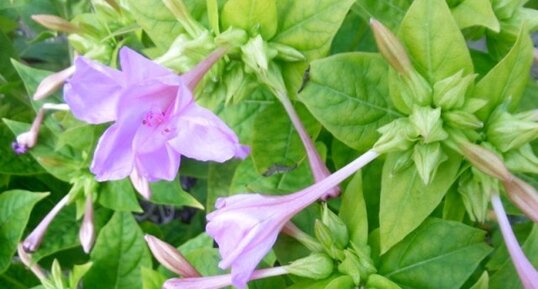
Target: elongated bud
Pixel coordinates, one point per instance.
(351, 266)
(309, 242)
(398, 135)
(195, 75)
(140, 184)
(170, 257)
(232, 37)
(56, 23)
(336, 226)
(428, 158)
(316, 266)
(114, 4)
(87, 230)
(52, 83)
(522, 160)
(485, 160)
(287, 53)
(462, 119)
(391, 48)
(524, 196)
(183, 15)
(325, 237)
(32, 242)
(507, 131)
(428, 123)
(450, 92)
(257, 54)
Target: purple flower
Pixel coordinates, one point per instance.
(246, 226)
(155, 118)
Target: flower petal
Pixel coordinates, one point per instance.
(138, 68)
(160, 164)
(114, 158)
(93, 91)
(203, 136)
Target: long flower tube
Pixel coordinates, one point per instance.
(527, 273)
(246, 226)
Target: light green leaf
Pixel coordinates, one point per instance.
(118, 255)
(353, 211)
(406, 201)
(310, 26)
(471, 13)
(18, 277)
(219, 179)
(483, 281)
(200, 253)
(347, 93)
(119, 196)
(434, 41)
(506, 81)
(15, 209)
(13, 164)
(438, 255)
(254, 16)
(152, 279)
(171, 193)
(276, 143)
(388, 12)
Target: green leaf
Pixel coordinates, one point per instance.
(254, 16)
(471, 13)
(200, 253)
(18, 277)
(506, 276)
(8, 52)
(406, 201)
(310, 26)
(276, 143)
(482, 282)
(171, 193)
(152, 279)
(422, 259)
(11, 163)
(353, 211)
(434, 41)
(347, 93)
(119, 196)
(388, 12)
(15, 209)
(118, 255)
(219, 179)
(507, 80)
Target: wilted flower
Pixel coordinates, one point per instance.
(155, 118)
(246, 226)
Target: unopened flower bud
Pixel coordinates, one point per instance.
(428, 158)
(522, 160)
(232, 37)
(507, 131)
(170, 257)
(140, 184)
(475, 189)
(52, 83)
(397, 135)
(524, 196)
(309, 242)
(380, 282)
(324, 235)
(287, 53)
(337, 227)
(485, 160)
(391, 48)
(341, 282)
(462, 119)
(87, 229)
(56, 23)
(183, 15)
(185, 53)
(450, 92)
(428, 123)
(316, 266)
(351, 266)
(257, 54)
(403, 161)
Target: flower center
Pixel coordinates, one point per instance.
(153, 118)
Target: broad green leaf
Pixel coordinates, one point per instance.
(406, 201)
(506, 276)
(219, 179)
(388, 12)
(254, 16)
(152, 279)
(15, 209)
(438, 255)
(276, 143)
(200, 253)
(310, 26)
(353, 211)
(506, 81)
(347, 93)
(18, 277)
(354, 35)
(171, 193)
(8, 52)
(471, 13)
(118, 255)
(434, 41)
(119, 196)
(482, 282)
(453, 208)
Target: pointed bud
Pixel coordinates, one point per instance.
(507, 131)
(317, 266)
(232, 37)
(56, 275)
(475, 189)
(309, 242)
(428, 158)
(337, 227)
(28, 140)
(366, 265)
(524, 196)
(32, 242)
(473, 105)
(184, 53)
(170, 257)
(428, 123)
(485, 160)
(195, 75)
(450, 92)
(87, 229)
(522, 160)
(52, 83)
(324, 235)
(183, 15)
(462, 120)
(287, 53)
(391, 48)
(257, 54)
(56, 23)
(114, 4)
(380, 282)
(350, 266)
(403, 161)
(398, 135)
(140, 184)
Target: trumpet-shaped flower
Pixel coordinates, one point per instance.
(155, 118)
(246, 226)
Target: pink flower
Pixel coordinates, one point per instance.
(246, 226)
(155, 118)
